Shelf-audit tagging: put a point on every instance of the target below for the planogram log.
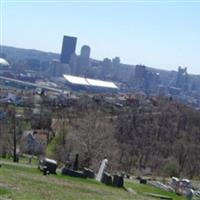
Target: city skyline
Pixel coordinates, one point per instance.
(161, 34)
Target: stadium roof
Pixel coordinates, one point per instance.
(99, 83)
(76, 80)
(89, 82)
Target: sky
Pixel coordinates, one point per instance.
(162, 34)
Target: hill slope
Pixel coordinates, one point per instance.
(14, 54)
(25, 183)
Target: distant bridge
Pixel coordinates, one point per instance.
(31, 84)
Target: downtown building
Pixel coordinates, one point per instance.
(68, 49)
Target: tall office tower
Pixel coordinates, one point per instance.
(106, 68)
(68, 49)
(85, 52)
(84, 61)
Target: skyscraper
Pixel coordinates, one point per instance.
(85, 52)
(68, 49)
(84, 61)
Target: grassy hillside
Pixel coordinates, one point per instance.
(14, 54)
(25, 183)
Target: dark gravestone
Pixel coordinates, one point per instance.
(51, 166)
(45, 171)
(143, 181)
(16, 158)
(128, 176)
(106, 178)
(69, 172)
(75, 167)
(118, 181)
(88, 173)
(48, 165)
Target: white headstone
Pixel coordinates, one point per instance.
(102, 169)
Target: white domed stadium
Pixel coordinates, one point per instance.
(4, 67)
(4, 63)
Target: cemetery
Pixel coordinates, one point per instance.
(71, 176)
(182, 188)
(70, 182)
(49, 166)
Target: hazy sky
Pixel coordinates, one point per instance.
(160, 34)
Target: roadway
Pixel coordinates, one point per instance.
(32, 84)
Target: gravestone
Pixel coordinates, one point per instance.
(106, 178)
(189, 194)
(118, 181)
(143, 181)
(45, 171)
(88, 173)
(75, 167)
(69, 172)
(102, 168)
(67, 164)
(128, 176)
(48, 166)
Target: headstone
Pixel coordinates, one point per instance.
(143, 181)
(49, 165)
(45, 171)
(106, 178)
(88, 173)
(128, 176)
(174, 182)
(118, 181)
(102, 168)
(69, 172)
(189, 194)
(68, 164)
(75, 167)
(17, 158)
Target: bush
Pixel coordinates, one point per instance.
(171, 168)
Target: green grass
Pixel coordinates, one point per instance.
(25, 183)
(142, 189)
(24, 159)
(3, 191)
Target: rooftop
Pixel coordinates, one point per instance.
(89, 82)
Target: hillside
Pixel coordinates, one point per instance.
(142, 132)
(135, 133)
(14, 54)
(27, 183)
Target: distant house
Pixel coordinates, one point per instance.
(34, 141)
(41, 139)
